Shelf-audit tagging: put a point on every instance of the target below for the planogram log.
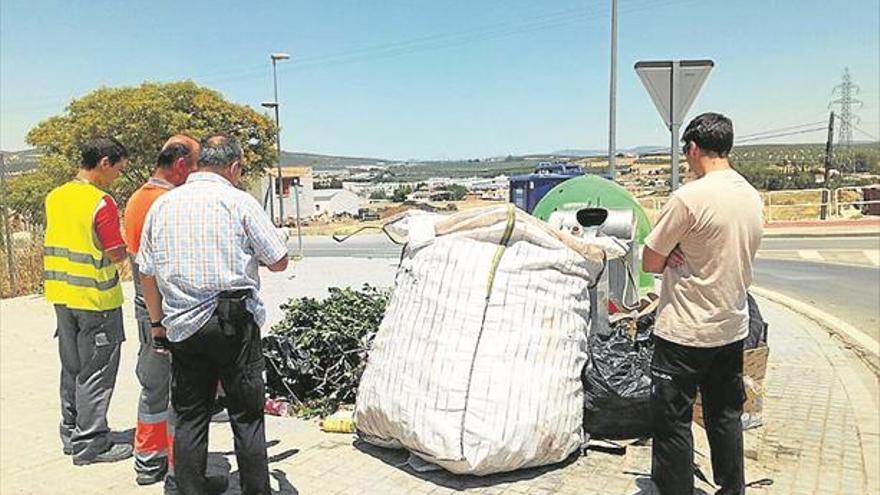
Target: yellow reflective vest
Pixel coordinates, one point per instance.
(77, 272)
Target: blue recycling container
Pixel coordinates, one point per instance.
(526, 190)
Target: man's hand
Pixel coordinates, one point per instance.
(675, 258)
(160, 340)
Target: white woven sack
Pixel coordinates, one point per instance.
(477, 364)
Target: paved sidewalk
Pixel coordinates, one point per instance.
(820, 433)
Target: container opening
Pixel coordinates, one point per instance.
(592, 217)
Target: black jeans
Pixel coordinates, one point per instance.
(227, 348)
(676, 372)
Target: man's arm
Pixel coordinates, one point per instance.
(654, 262)
(280, 265)
(108, 230)
(662, 244)
(153, 300)
(268, 244)
(152, 297)
(117, 255)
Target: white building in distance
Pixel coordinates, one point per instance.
(335, 202)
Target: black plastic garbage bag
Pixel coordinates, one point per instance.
(288, 373)
(617, 381)
(757, 326)
(617, 377)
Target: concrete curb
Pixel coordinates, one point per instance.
(833, 323)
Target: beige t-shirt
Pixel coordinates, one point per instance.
(717, 221)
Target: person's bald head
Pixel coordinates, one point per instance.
(191, 143)
(178, 158)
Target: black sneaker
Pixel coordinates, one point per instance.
(144, 479)
(214, 484)
(117, 452)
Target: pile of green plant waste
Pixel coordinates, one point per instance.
(317, 353)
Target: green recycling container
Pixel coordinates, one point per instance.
(596, 191)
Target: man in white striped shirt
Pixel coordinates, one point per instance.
(200, 249)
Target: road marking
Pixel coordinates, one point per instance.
(831, 322)
(809, 254)
(867, 258)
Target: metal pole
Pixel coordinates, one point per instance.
(829, 143)
(612, 97)
(7, 236)
(675, 125)
(299, 232)
(278, 143)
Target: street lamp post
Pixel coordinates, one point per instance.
(275, 104)
(275, 57)
(280, 179)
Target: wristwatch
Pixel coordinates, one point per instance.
(156, 324)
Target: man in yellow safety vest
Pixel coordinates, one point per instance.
(83, 241)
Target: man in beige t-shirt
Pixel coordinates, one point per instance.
(704, 244)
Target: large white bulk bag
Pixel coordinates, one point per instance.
(477, 363)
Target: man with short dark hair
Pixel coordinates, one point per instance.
(82, 244)
(153, 435)
(201, 246)
(704, 244)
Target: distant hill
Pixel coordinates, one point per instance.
(579, 153)
(17, 162)
(26, 160)
(329, 162)
(638, 150)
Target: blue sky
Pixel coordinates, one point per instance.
(445, 79)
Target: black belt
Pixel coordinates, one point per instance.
(235, 294)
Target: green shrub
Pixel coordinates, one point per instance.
(334, 335)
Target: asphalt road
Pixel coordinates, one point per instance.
(851, 293)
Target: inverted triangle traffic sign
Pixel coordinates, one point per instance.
(673, 85)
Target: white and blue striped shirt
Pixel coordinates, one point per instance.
(203, 238)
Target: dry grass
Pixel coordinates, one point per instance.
(27, 255)
(343, 227)
(786, 205)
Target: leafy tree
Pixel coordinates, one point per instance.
(457, 191)
(380, 194)
(142, 118)
(330, 184)
(400, 194)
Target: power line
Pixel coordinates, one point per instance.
(781, 129)
(866, 133)
(771, 136)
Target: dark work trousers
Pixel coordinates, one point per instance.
(154, 432)
(227, 348)
(676, 372)
(88, 344)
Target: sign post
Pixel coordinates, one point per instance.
(673, 86)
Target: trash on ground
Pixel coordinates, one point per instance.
(341, 421)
